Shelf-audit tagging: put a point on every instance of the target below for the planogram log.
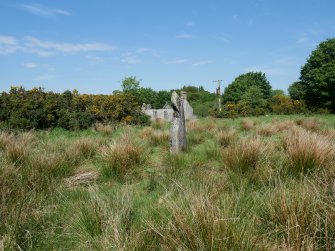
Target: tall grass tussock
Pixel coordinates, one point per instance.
(268, 186)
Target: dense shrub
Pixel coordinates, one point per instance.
(38, 109)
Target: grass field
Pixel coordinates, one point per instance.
(263, 183)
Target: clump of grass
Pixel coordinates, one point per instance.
(5, 139)
(193, 125)
(18, 147)
(226, 137)
(80, 149)
(146, 132)
(105, 129)
(309, 124)
(307, 151)
(196, 222)
(283, 125)
(246, 154)
(267, 130)
(159, 138)
(158, 124)
(247, 124)
(155, 137)
(294, 213)
(122, 157)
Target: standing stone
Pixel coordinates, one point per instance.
(178, 131)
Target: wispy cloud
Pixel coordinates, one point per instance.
(8, 45)
(203, 62)
(142, 50)
(177, 61)
(32, 42)
(270, 71)
(185, 36)
(95, 59)
(41, 10)
(29, 65)
(224, 37)
(32, 45)
(130, 59)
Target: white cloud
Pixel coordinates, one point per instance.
(8, 45)
(142, 50)
(29, 65)
(177, 61)
(41, 10)
(95, 59)
(203, 62)
(185, 36)
(130, 59)
(32, 42)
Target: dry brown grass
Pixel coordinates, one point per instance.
(283, 125)
(82, 178)
(246, 154)
(155, 137)
(267, 130)
(5, 139)
(193, 125)
(83, 147)
(309, 124)
(295, 212)
(158, 123)
(123, 156)
(18, 147)
(247, 124)
(307, 151)
(196, 222)
(226, 137)
(106, 129)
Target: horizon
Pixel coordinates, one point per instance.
(91, 47)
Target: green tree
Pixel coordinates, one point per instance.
(235, 90)
(297, 90)
(130, 84)
(253, 97)
(318, 76)
(277, 92)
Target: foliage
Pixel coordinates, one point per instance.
(297, 90)
(242, 83)
(130, 84)
(200, 99)
(281, 104)
(318, 76)
(253, 97)
(37, 109)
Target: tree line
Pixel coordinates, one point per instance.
(250, 94)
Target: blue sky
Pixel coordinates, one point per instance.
(92, 45)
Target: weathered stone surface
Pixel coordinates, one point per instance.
(167, 112)
(178, 130)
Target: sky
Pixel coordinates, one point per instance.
(91, 45)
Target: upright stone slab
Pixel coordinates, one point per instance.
(178, 130)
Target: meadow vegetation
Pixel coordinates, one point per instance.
(264, 183)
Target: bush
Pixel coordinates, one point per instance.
(280, 104)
